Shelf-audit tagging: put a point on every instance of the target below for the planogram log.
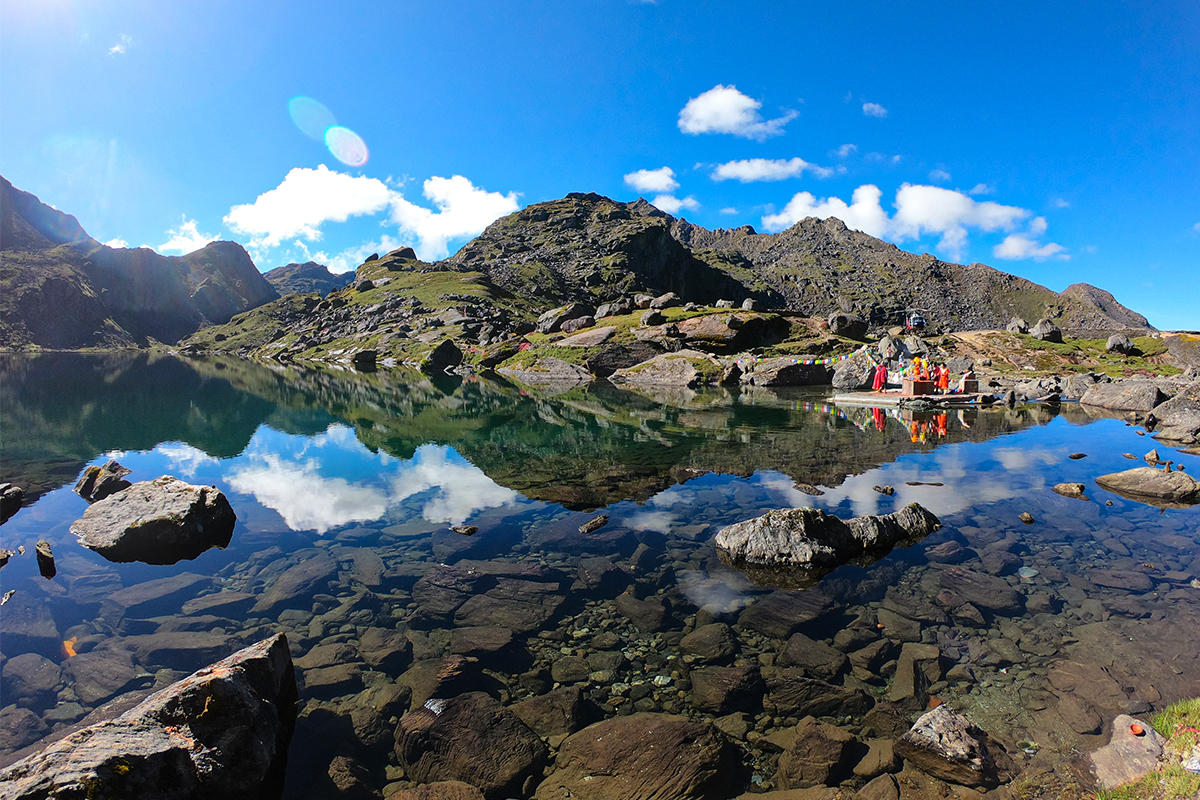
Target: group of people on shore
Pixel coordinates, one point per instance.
(922, 369)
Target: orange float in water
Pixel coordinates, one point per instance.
(1136, 730)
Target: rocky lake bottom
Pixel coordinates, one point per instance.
(347, 491)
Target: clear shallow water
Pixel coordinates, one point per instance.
(373, 469)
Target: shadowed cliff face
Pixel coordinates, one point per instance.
(63, 289)
(305, 278)
(583, 449)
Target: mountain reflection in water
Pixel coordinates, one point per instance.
(364, 474)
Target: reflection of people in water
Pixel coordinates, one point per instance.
(941, 424)
(962, 419)
(879, 419)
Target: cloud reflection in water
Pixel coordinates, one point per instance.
(324, 482)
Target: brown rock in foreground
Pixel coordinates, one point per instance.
(221, 732)
(469, 738)
(950, 747)
(644, 757)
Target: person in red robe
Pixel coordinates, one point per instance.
(880, 378)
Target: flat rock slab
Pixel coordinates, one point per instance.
(299, 582)
(1140, 396)
(1127, 756)
(1148, 482)
(589, 338)
(221, 732)
(984, 591)
(162, 521)
(152, 598)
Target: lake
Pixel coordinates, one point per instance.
(356, 480)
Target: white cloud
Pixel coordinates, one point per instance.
(932, 209)
(863, 214)
(981, 188)
(463, 210)
(185, 238)
(305, 200)
(661, 180)
(1196, 227)
(1019, 246)
(673, 205)
(847, 150)
(939, 175)
(723, 109)
(1024, 245)
(728, 210)
(874, 110)
(764, 169)
(117, 243)
(122, 46)
(1060, 203)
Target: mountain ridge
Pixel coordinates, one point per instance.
(63, 289)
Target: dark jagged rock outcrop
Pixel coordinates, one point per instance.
(221, 732)
(306, 278)
(948, 746)
(63, 289)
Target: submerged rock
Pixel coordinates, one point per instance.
(221, 732)
(948, 746)
(808, 539)
(1140, 396)
(469, 738)
(157, 522)
(646, 756)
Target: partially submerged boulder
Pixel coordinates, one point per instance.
(1178, 419)
(445, 356)
(97, 483)
(549, 371)
(11, 498)
(157, 522)
(807, 542)
(1149, 483)
(1128, 755)
(786, 372)
(950, 747)
(221, 732)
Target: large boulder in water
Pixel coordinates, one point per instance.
(950, 747)
(682, 368)
(810, 539)
(1178, 419)
(443, 357)
(221, 732)
(157, 522)
(856, 372)
(1046, 331)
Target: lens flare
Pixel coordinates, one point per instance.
(312, 118)
(346, 146)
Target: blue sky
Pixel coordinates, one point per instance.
(1057, 141)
